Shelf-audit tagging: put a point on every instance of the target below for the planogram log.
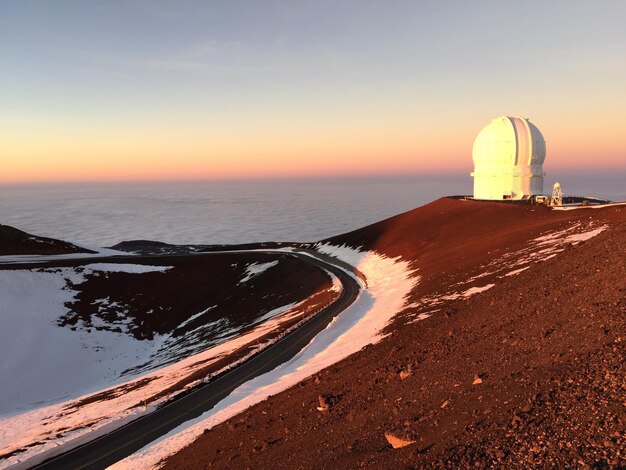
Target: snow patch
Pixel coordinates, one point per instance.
(517, 271)
(476, 290)
(124, 268)
(255, 269)
(194, 316)
(584, 236)
(467, 293)
(31, 302)
(347, 254)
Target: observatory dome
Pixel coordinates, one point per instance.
(508, 159)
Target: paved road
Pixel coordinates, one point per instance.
(126, 440)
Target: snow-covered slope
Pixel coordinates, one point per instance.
(43, 363)
(86, 347)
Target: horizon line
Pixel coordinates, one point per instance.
(298, 177)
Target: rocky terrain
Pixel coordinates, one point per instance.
(509, 353)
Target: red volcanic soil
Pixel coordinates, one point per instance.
(16, 242)
(528, 374)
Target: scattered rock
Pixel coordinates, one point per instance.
(404, 374)
(445, 404)
(517, 421)
(527, 408)
(477, 380)
(324, 404)
(397, 442)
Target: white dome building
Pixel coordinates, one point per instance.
(508, 159)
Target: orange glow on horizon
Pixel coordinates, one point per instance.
(59, 155)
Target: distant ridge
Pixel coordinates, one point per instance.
(16, 242)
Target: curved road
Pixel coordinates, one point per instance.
(112, 447)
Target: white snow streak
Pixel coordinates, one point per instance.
(515, 272)
(194, 316)
(475, 290)
(125, 268)
(255, 269)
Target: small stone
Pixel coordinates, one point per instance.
(477, 380)
(397, 442)
(526, 408)
(536, 449)
(445, 404)
(608, 443)
(404, 374)
(324, 405)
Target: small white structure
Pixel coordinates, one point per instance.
(557, 195)
(508, 159)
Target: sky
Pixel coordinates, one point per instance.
(154, 90)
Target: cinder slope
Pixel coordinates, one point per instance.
(527, 373)
(16, 242)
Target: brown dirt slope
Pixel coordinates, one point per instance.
(16, 242)
(529, 374)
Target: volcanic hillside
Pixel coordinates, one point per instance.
(108, 339)
(508, 353)
(16, 242)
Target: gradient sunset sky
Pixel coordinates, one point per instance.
(125, 90)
